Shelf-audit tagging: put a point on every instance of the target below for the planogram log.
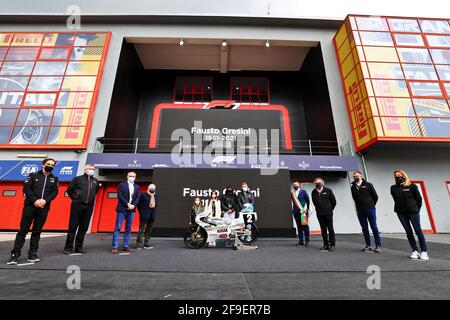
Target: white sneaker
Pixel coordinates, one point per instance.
(415, 255)
(424, 256)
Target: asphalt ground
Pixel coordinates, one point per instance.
(277, 270)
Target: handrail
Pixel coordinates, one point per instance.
(139, 145)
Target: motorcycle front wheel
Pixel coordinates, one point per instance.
(195, 238)
(251, 239)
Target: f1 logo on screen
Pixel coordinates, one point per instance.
(221, 104)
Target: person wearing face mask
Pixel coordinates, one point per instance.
(196, 210)
(128, 195)
(408, 202)
(366, 198)
(147, 216)
(300, 211)
(213, 206)
(213, 209)
(325, 202)
(229, 204)
(82, 191)
(245, 196)
(40, 189)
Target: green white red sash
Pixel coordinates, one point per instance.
(302, 208)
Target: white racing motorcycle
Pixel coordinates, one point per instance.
(237, 232)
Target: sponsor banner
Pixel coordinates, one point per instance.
(18, 170)
(239, 161)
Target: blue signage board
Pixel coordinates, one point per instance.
(170, 160)
(18, 170)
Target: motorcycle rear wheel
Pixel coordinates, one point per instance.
(193, 239)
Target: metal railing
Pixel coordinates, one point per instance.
(138, 145)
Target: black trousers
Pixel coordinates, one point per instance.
(37, 217)
(145, 229)
(80, 216)
(327, 229)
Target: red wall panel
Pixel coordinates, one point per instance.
(11, 213)
(106, 214)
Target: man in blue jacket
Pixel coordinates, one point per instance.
(147, 215)
(300, 211)
(128, 195)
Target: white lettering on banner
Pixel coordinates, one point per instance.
(435, 26)
(256, 192)
(426, 26)
(11, 98)
(420, 72)
(66, 170)
(404, 25)
(192, 192)
(15, 98)
(246, 139)
(40, 99)
(238, 131)
(188, 192)
(27, 169)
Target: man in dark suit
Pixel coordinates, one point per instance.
(128, 195)
(300, 211)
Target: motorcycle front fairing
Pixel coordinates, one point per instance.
(220, 228)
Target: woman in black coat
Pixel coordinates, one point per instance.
(408, 202)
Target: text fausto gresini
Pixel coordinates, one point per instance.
(258, 145)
